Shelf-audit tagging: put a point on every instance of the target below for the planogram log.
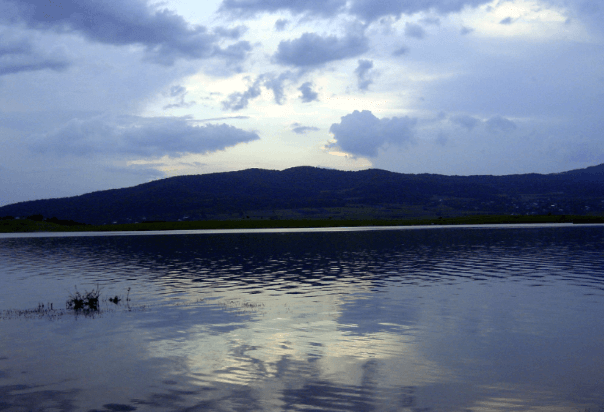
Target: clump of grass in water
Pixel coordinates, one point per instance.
(87, 302)
(116, 300)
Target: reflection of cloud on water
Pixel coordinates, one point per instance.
(295, 341)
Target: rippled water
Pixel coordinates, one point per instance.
(447, 319)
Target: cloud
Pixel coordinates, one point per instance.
(500, 124)
(308, 95)
(232, 33)
(414, 30)
(323, 8)
(432, 21)
(507, 21)
(234, 52)
(370, 10)
(465, 30)
(240, 100)
(165, 35)
(466, 121)
(178, 93)
(18, 54)
(299, 129)
(214, 119)
(313, 50)
(361, 133)
(275, 83)
(132, 136)
(362, 72)
(400, 51)
(590, 13)
(281, 24)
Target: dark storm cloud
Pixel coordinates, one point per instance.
(466, 121)
(308, 95)
(361, 133)
(313, 50)
(500, 124)
(251, 7)
(20, 55)
(165, 35)
(414, 30)
(131, 136)
(362, 72)
(370, 10)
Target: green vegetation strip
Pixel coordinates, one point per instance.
(25, 225)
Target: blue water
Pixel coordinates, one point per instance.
(422, 319)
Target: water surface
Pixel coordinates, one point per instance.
(446, 319)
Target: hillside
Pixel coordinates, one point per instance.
(308, 192)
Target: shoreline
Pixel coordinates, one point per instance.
(29, 226)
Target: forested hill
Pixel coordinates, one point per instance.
(314, 192)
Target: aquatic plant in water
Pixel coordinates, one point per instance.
(87, 304)
(88, 301)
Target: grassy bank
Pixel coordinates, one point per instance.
(24, 225)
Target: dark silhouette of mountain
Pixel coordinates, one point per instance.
(315, 192)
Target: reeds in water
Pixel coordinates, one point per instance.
(88, 301)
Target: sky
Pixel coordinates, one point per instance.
(102, 94)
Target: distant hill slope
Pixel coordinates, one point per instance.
(316, 192)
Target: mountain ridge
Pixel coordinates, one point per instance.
(312, 192)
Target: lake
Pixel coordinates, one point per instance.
(507, 318)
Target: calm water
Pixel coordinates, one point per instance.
(448, 319)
